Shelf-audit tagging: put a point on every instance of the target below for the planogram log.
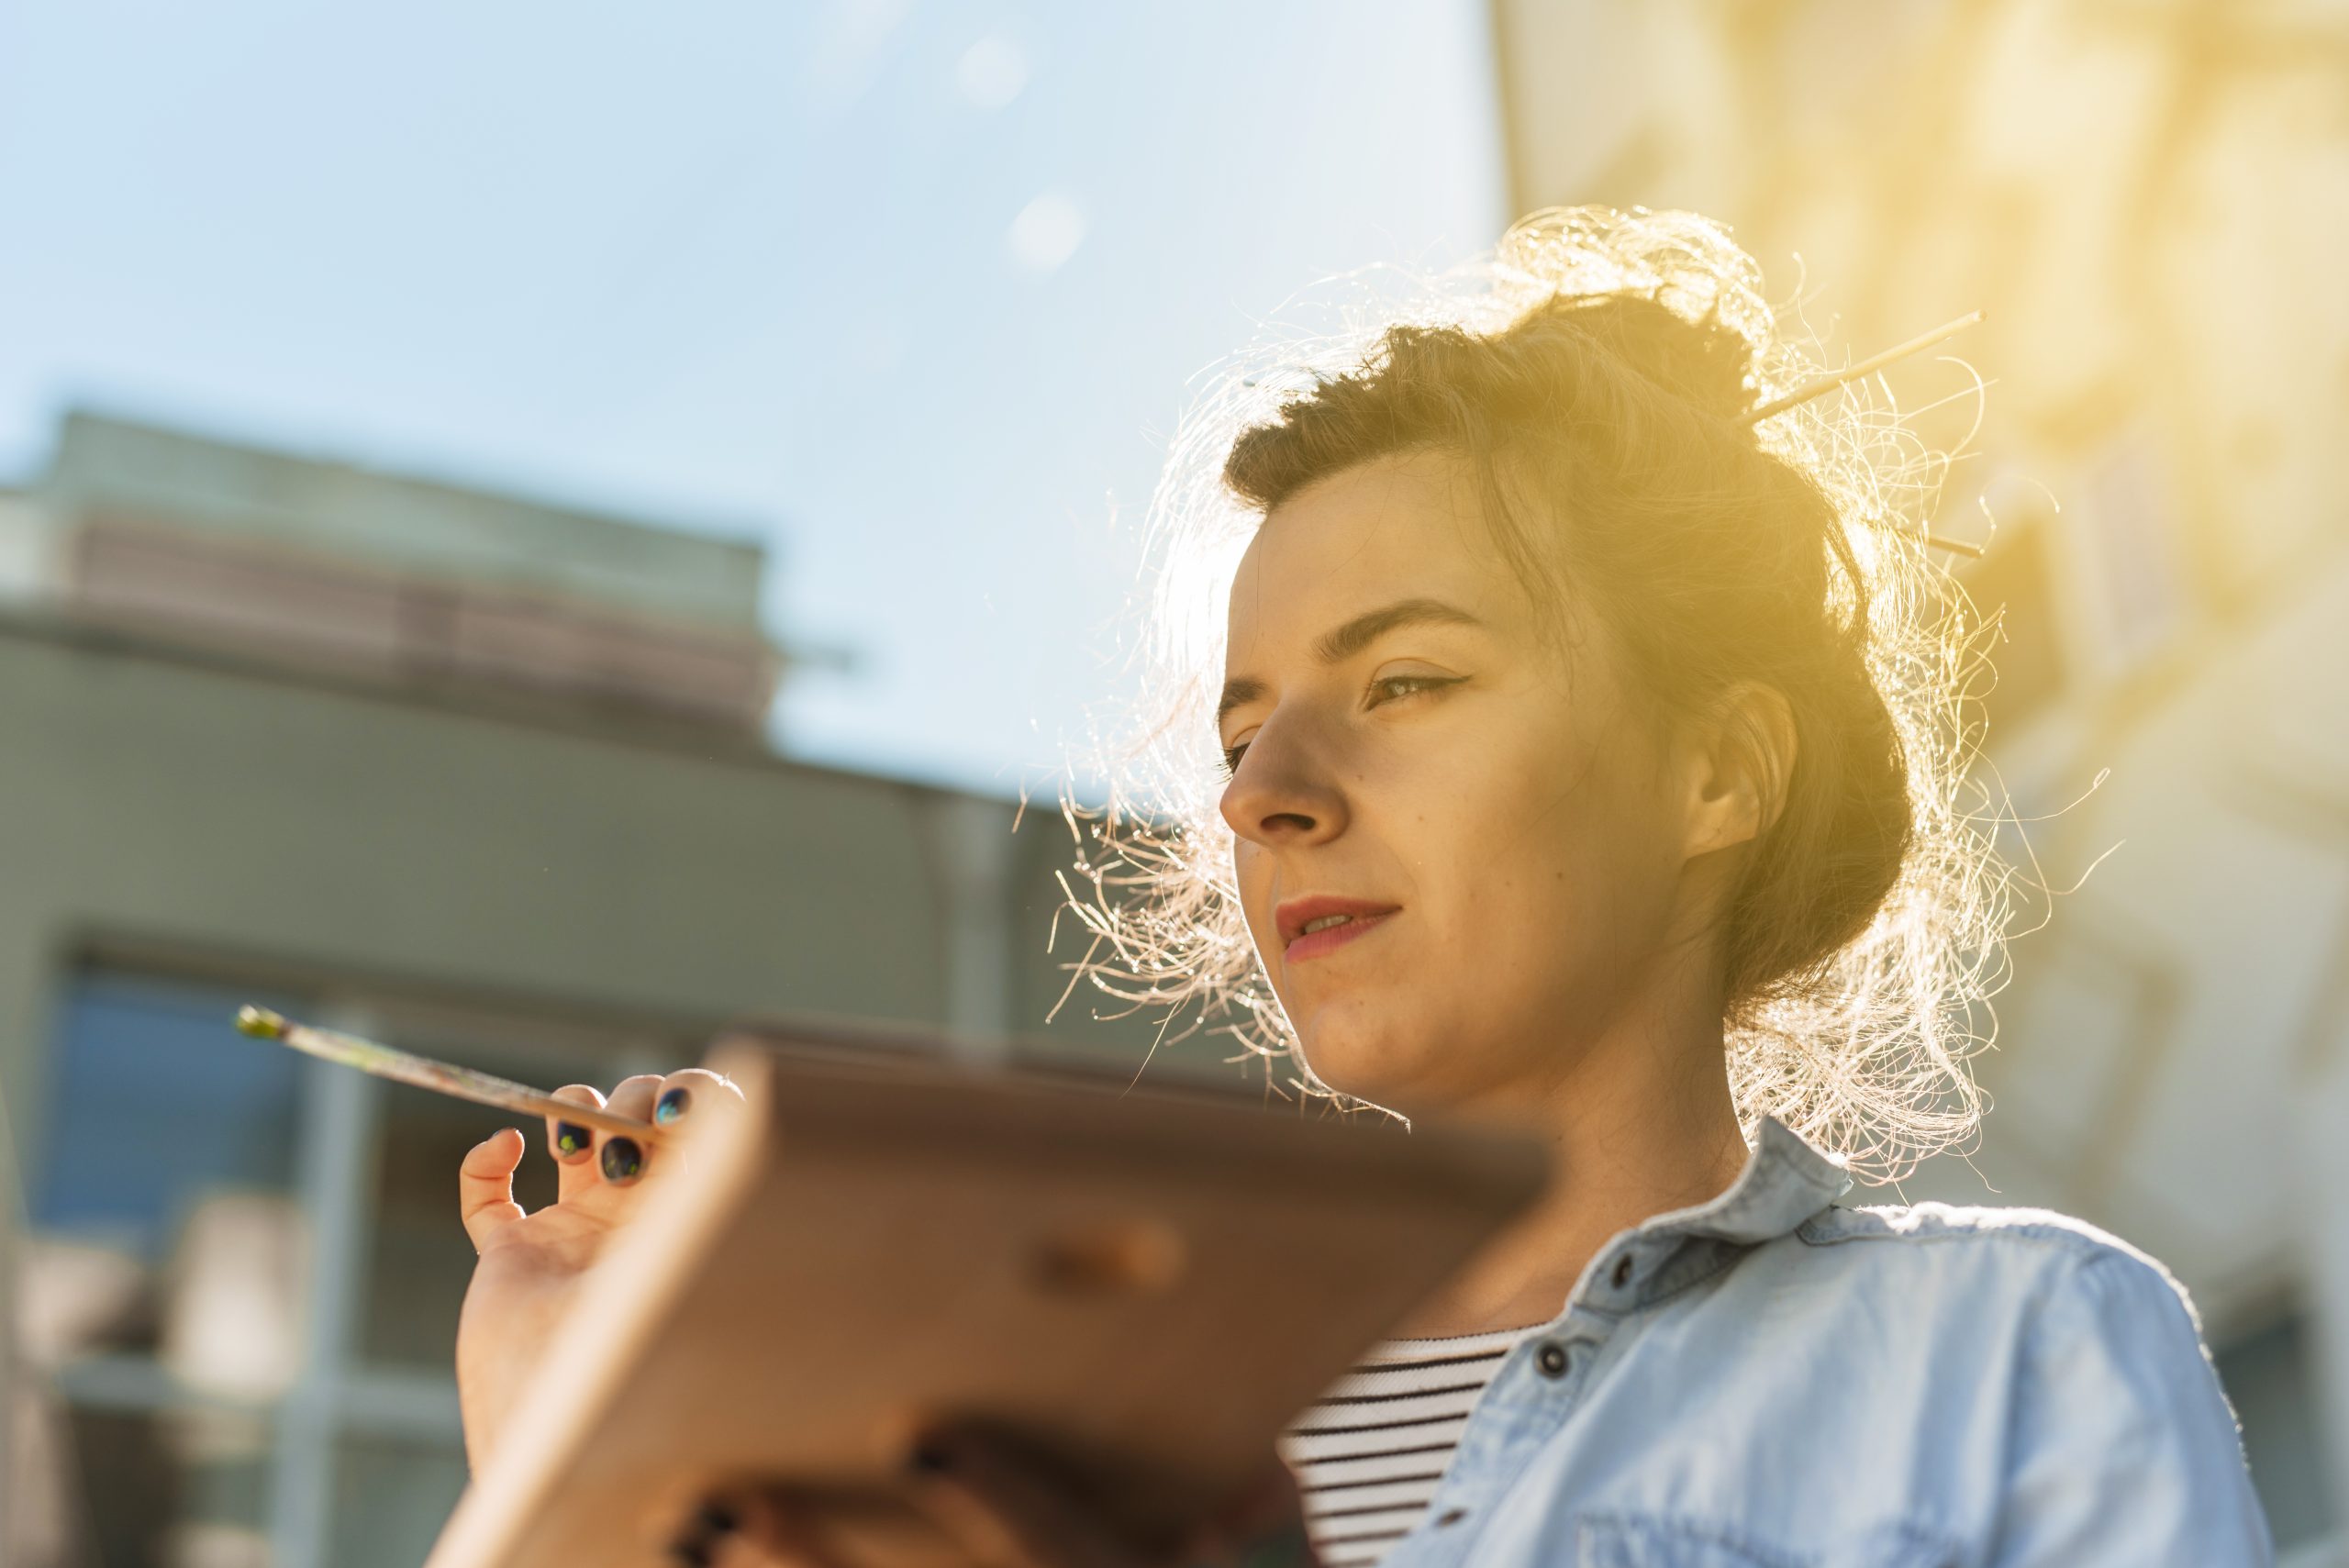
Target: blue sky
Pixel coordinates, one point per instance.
(911, 290)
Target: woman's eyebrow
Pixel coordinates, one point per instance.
(1341, 643)
(1237, 691)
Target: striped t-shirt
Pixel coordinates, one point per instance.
(1368, 1454)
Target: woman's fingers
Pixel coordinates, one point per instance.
(756, 1531)
(1270, 1507)
(588, 1160)
(1263, 1528)
(695, 1096)
(690, 1103)
(486, 1186)
(1004, 1512)
(573, 1143)
(622, 1160)
(681, 1101)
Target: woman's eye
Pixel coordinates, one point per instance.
(1392, 687)
(1388, 689)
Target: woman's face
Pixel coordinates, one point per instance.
(1494, 832)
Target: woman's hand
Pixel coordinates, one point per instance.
(530, 1263)
(1006, 1515)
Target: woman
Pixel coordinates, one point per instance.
(1589, 766)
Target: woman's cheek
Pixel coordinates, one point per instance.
(1252, 876)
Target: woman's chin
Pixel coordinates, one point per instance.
(1367, 1057)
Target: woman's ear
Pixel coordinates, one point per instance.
(1735, 764)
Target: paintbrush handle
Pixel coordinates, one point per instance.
(441, 1077)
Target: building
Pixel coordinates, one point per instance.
(2148, 200)
(481, 776)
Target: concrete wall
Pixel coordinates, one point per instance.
(469, 870)
(105, 466)
(180, 804)
(480, 775)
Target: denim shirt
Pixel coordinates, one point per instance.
(1770, 1381)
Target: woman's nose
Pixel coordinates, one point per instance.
(1281, 794)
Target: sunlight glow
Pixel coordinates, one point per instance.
(991, 74)
(1046, 233)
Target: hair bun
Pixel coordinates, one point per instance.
(1706, 362)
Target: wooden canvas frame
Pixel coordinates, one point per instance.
(1142, 1287)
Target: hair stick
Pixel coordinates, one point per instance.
(1827, 383)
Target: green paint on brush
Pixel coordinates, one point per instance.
(260, 1023)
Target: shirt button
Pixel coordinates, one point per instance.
(1551, 1359)
(1622, 1275)
(1451, 1516)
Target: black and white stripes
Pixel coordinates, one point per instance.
(1368, 1454)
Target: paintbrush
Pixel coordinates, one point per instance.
(443, 1077)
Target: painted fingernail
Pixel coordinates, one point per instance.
(693, 1547)
(572, 1140)
(623, 1161)
(672, 1104)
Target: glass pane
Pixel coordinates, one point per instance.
(161, 1268)
(185, 1489)
(155, 1099)
(161, 1219)
(391, 1498)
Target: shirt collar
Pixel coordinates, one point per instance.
(1784, 1182)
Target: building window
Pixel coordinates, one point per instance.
(241, 1280)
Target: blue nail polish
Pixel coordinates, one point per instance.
(623, 1161)
(672, 1104)
(572, 1140)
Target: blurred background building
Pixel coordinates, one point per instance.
(419, 656)
(554, 787)
(481, 776)
(2149, 199)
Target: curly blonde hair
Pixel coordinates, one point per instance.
(1607, 363)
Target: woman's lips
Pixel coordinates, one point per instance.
(1353, 918)
(1314, 944)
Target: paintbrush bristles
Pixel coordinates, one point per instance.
(1825, 383)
